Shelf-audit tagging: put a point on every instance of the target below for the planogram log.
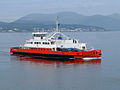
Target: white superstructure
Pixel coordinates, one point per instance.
(54, 40)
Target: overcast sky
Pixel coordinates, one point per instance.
(11, 10)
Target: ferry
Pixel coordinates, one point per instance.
(55, 45)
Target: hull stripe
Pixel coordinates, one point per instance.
(45, 55)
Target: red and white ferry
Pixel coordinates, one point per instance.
(55, 46)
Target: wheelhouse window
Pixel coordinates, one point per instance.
(39, 35)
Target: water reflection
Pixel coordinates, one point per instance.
(56, 63)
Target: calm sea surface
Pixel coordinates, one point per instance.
(17, 73)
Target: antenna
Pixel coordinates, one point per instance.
(57, 24)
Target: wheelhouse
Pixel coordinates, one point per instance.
(39, 35)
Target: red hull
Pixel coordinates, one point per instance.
(57, 54)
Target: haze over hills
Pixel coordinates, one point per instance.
(2, 23)
(109, 22)
(65, 18)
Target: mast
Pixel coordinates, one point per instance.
(57, 24)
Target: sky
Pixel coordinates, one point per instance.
(11, 10)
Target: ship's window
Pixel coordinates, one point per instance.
(96, 52)
(83, 47)
(59, 49)
(46, 43)
(27, 48)
(39, 48)
(52, 42)
(35, 42)
(74, 41)
(43, 49)
(33, 48)
(49, 49)
(28, 42)
(53, 49)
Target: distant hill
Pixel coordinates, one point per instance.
(111, 22)
(115, 15)
(3, 23)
